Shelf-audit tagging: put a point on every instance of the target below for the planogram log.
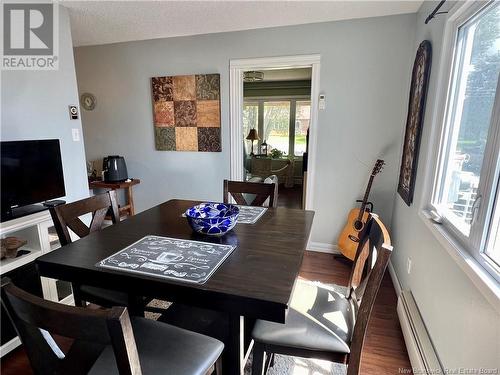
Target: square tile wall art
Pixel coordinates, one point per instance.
(186, 112)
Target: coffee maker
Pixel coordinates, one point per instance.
(114, 168)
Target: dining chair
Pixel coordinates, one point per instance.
(259, 193)
(66, 217)
(324, 323)
(105, 341)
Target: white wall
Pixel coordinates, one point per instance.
(365, 67)
(34, 105)
(464, 327)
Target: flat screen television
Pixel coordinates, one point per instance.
(31, 172)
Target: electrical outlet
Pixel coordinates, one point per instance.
(76, 134)
(408, 265)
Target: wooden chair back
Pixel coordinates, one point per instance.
(92, 330)
(67, 215)
(370, 263)
(262, 192)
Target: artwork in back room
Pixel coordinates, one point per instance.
(186, 112)
(414, 121)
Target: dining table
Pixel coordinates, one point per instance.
(255, 281)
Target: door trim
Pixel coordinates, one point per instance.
(236, 69)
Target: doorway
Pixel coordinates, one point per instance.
(273, 119)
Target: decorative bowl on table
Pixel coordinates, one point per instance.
(213, 219)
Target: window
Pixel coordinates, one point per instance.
(272, 119)
(277, 125)
(250, 120)
(302, 120)
(466, 193)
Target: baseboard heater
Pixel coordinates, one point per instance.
(423, 357)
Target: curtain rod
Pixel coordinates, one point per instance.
(435, 12)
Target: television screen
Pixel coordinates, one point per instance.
(31, 172)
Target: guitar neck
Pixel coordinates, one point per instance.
(365, 198)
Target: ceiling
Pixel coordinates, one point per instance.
(102, 22)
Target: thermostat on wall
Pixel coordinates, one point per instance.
(322, 101)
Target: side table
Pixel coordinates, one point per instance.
(128, 208)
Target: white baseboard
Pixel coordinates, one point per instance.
(322, 247)
(422, 354)
(394, 278)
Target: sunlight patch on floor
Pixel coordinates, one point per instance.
(285, 365)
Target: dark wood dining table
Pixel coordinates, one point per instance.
(256, 281)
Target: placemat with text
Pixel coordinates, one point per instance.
(170, 258)
(250, 214)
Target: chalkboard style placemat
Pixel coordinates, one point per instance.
(250, 214)
(170, 258)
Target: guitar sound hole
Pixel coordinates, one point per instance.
(358, 225)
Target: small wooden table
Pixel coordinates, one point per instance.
(255, 281)
(127, 209)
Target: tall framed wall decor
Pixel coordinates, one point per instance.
(414, 121)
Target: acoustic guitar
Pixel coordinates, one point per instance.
(349, 238)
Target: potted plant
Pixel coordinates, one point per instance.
(276, 154)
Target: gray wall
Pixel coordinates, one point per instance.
(464, 327)
(35, 106)
(365, 67)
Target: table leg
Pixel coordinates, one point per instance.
(77, 296)
(136, 305)
(130, 201)
(234, 347)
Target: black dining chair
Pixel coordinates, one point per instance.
(66, 217)
(324, 323)
(105, 341)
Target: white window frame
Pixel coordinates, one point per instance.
(482, 271)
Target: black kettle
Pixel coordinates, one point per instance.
(114, 168)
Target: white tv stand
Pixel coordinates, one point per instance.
(38, 229)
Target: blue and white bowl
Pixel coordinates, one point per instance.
(213, 219)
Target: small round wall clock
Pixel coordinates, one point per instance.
(88, 101)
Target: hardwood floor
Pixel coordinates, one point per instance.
(290, 197)
(384, 351)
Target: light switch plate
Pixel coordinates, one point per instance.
(76, 134)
